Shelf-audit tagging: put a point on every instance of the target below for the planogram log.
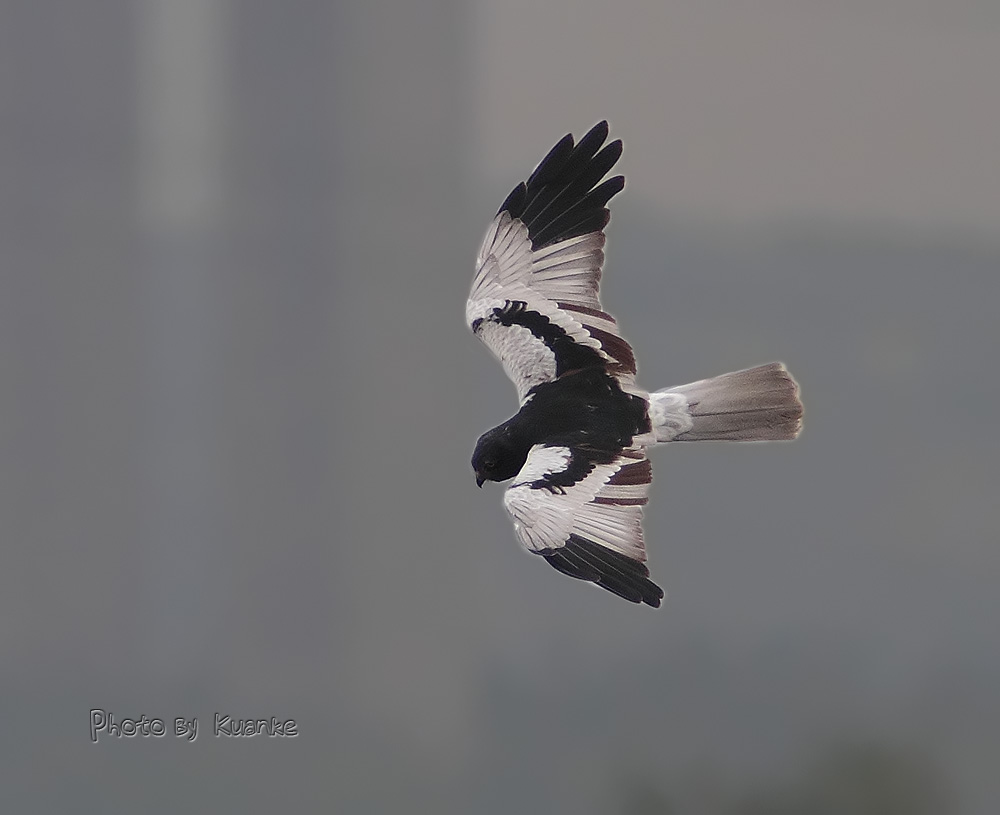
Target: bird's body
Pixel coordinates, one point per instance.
(576, 448)
(585, 410)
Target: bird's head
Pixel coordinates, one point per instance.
(497, 456)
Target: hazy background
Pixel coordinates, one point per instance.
(237, 403)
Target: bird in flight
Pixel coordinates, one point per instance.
(576, 448)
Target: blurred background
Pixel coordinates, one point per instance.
(238, 401)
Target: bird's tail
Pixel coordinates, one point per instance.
(758, 404)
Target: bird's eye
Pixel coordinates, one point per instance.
(490, 463)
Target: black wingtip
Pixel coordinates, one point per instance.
(514, 203)
(586, 560)
(592, 140)
(554, 161)
(563, 198)
(600, 130)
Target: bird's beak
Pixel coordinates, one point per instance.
(479, 480)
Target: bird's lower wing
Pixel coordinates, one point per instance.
(585, 519)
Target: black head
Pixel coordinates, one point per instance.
(497, 456)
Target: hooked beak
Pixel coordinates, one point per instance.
(479, 480)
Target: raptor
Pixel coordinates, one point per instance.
(576, 449)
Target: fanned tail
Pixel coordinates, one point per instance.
(757, 404)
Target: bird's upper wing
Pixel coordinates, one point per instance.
(534, 299)
(585, 517)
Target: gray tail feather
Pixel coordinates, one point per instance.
(758, 404)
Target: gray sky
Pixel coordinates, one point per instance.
(238, 402)
(881, 112)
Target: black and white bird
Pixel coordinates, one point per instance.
(576, 449)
